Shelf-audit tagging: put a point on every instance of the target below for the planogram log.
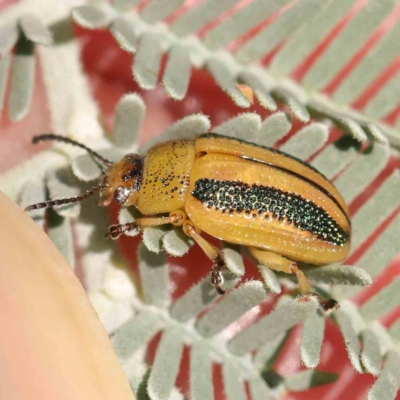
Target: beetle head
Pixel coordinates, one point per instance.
(122, 182)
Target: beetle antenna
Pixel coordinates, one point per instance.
(60, 202)
(59, 138)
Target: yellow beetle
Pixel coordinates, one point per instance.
(280, 208)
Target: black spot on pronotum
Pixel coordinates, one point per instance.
(290, 208)
(135, 174)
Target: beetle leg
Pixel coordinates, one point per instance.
(176, 218)
(279, 263)
(216, 277)
(115, 231)
(212, 252)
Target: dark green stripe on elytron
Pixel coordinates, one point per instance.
(264, 201)
(304, 179)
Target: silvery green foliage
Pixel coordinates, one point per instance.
(371, 348)
(23, 33)
(178, 321)
(298, 30)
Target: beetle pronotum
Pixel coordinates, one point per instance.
(279, 207)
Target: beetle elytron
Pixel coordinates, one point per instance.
(281, 208)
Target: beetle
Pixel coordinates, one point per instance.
(281, 208)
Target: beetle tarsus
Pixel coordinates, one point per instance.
(219, 290)
(215, 274)
(328, 305)
(217, 280)
(115, 231)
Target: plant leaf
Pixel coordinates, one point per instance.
(157, 10)
(197, 17)
(34, 191)
(93, 17)
(154, 277)
(376, 133)
(312, 338)
(87, 169)
(371, 353)
(198, 297)
(62, 184)
(201, 385)
(350, 339)
(147, 61)
(379, 106)
(230, 308)
(127, 215)
(335, 157)
(261, 87)
(307, 141)
(244, 126)
(274, 128)
(135, 333)
(363, 171)
(185, 128)
(339, 275)
(369, 68)
(176, 243)
(382, 302)
(35, 31)
(295, 105)
(166, 364)
(347, 42)
(245, 18)
(123, 30)
(8, 38)
(233, 258)
(268, 353)
(259, 389)
(387, 385)
(305, 380)
(23, 72)
(300, 45)
(124, 4)
(276, 31)
(270, 279)
(117, 284)
(60, 232)
(220, 68)
(290, 27)
(395, 331)
(278, 321)
(177, 72)
(129, 114)
(152, 238)
(4, 69)
(233, 384)
(366, 220)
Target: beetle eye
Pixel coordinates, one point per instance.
(121, 194)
